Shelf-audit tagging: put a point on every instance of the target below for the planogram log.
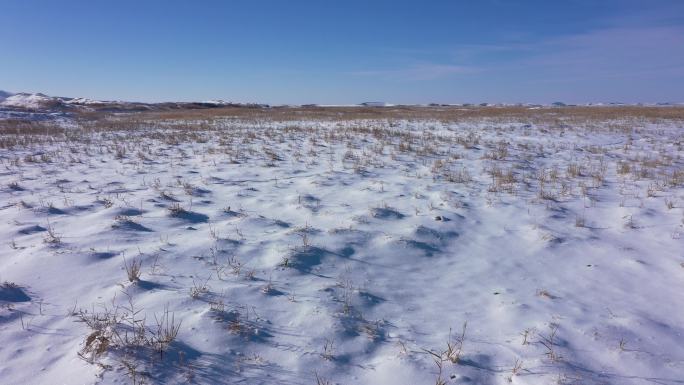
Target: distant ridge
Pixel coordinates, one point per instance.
(4, 95)
(38, 102)
(42, 103)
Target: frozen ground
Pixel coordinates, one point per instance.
(486, 251)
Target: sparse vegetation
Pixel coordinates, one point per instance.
(133, 269)
(336, 232)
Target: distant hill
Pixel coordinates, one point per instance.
(31, 101)
(38, 102)
(4, 95)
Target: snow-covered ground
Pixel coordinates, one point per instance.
(9, 113)
(488, 251)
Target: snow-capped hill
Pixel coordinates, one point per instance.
(223, 103)
(4, 95)
(217, 102)
(84, 102)
(31, 101)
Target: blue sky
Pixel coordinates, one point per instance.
(346, 51)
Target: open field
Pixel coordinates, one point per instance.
(347, 245)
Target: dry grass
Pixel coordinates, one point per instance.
(446, 113)
(133, 269)
(204, 119)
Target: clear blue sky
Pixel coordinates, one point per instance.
(346, 51)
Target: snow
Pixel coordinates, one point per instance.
(348, 250)
(41, 102)
(30, 101)
(83, 101)
(376, 104)
(217, 102)
(4, 95)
